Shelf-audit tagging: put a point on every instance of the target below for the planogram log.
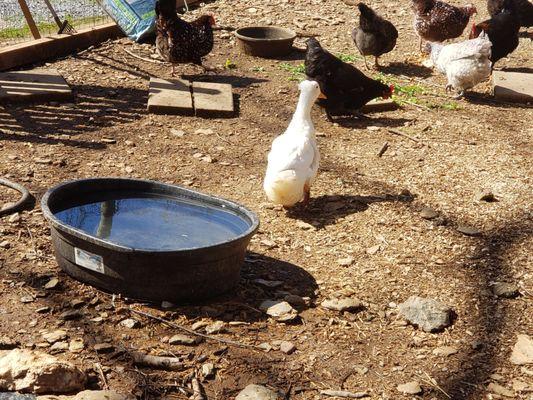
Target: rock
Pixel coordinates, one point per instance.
(7, 343)
(501, 390)
(523, 351)
(90, 395)
(445, 351)
(103, 348)
(373, 250)
(521, 386)
(70, 315)
(346, 304)
(27, 299)
(76, 345)
(345, 262)
(36, 372)
(485, 195)
(215, 327)
(428, 314)
(257, 392)
(304, 225)
(208, 370)
(468, 230)
(59, 347)
(177, 132)
(51, 284)
(287, 347)
(130, 323)
(55, 336)
(184, 340)
(5, 244)
(14, 218)
(206, 132)
(280, 310)
(428, 213)
(505, 289)
(77, 303)
(199, 325)
(409, 388)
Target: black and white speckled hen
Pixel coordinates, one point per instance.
(345, 88)
(178, 41)
(375, 35)
(437, 21)
(524, 10)
(502, 30)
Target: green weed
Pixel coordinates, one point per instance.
(296, 72)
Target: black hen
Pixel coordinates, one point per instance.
(375, 36)
(502, 31)
(345, 87)
(179, 41)
(524, 10)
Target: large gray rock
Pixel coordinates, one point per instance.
(257, 392)
(30, 371)
(428, 314)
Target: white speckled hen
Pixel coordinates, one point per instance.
(179, 41)
(437, 21)
(465, 64)
(375, 35)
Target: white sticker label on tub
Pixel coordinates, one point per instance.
(88, 260)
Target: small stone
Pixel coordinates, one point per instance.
(468, 230)
(177, 132)
(103, 348)
(373, 250)
(109, 141)
(7, 343)
(77, 303)
(130, 323)
(265, 346)
(51, 284)
(428, 213)
(257, 392)
(14, 218)
(346, 261)
(216, 327)
(43, 310)
(304, 225)
(76, 345)
(5, 244)
(501, 390)
(346, 304)
(280, 310)
(185, 340)
(199, 325)
(208, 370)
(45, 161)
(409, 388)
(428, 314)
(59, 347)
(269, 244)
(523, 351)
(70, 315)
(203, 132)
(27, 299)
(129, 143)
(287, 347)
(445, 351)
(505, 289)
(55, 336)
(485, 195)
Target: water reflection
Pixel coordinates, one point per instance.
(154, 223)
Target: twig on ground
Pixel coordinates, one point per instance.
(143, 58)
(191, 332)
(383, 149)
(405, 135)
(344, 394)
(416, 105)
(432, 382)
(102, 375)
(147, 360)
(198, 393)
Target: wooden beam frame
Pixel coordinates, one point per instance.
(29, 19)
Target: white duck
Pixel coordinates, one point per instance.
(294, 157)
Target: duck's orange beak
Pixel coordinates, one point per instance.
(322, 96)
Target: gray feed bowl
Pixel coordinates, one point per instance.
(189, 274)
(265, 41)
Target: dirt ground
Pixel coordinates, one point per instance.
(367, 239)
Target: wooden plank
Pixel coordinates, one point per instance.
(381, 105)
(33, 86)
(55, 46)
(515, 87)
(170, 97)
(29, 19)
(213, 99)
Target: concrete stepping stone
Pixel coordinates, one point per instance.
(170, 97)
(213, 99)
(33, 86)
(515, 87)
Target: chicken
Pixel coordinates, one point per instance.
(437, 21)
(179, 41)
(375, 36)
(465, 64)
(502, 31)
(294, 157)
(524, 9)
(346, 89)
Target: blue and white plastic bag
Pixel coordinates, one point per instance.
(135, 17)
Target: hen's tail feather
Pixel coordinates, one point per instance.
(366, 11)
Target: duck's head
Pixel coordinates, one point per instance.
(310, 88)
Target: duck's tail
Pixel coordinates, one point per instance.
(285, 188)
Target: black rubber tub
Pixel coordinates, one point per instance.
(123, 236)
(265, 41)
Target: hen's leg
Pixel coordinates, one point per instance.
(420, 44)
(449, 88)
(173, 71)
(376, 63)
(307, 195)
(460, 95)
(366, 64)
